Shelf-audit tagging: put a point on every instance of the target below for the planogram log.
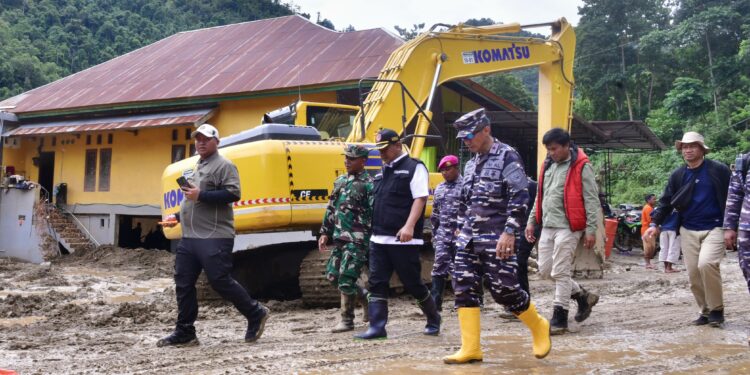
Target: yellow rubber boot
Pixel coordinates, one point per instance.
(539, 328)
(471, 349)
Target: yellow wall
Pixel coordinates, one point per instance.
(238, 115)
(138, 161)
(15, 157)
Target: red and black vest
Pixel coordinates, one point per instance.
(575, 210)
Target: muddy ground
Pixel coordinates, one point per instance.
(102, 312)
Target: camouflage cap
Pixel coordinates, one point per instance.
(471, 122)
(356, 151)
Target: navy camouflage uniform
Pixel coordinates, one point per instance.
(494, 198)
(737, 216)
(444, 221)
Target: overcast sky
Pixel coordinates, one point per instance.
(368, 14)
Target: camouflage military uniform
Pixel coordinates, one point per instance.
(494, 196)
(444, 221)
(737, 216)
(348, 221)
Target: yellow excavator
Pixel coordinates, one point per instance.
(288, 164)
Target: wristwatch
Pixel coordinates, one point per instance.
(509, 230)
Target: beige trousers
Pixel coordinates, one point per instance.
(556, 249)
(703, 251)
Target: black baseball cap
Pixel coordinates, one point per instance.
(386, 137)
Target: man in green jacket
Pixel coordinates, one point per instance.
(566, 206)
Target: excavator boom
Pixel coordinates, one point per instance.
(436, 57)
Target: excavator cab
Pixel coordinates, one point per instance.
(333, 121)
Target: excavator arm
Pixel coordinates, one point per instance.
(433, 58)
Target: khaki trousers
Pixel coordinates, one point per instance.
(703, 251)
(556, 249)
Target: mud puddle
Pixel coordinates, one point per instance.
(25, 321)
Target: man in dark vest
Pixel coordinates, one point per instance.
(400, 191)
(566, 206)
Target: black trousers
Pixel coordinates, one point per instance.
(404, 259)
(214, 256)
(522, 258)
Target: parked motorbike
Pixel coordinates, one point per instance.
(628, 231)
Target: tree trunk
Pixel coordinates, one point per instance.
(650, 90)
(713, 81)
(624, 86)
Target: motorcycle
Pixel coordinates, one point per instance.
(628, 231)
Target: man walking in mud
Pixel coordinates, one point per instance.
(400, 193)
(567, 207)
(444, 221)
(348, 222)
(208, 240)
(494, 200)
(698, 191)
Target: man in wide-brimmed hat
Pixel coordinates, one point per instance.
(698, 191)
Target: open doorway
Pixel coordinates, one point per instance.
(141, 232)
(46, 173)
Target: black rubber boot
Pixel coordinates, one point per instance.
(378, 309)
(256, 324)
(586, 302)
(438, 287)
(182, 336)
(429, 308)
(559, 322)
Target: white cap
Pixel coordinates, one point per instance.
(208, 130)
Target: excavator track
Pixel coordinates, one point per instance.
(317, 291)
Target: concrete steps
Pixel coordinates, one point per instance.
(68, 233)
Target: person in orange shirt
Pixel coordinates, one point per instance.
(649, 244)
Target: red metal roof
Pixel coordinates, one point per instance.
(193, 117)
(284, 52)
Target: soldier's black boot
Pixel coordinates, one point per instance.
(438, 286)
(378, 309)
(256, 323)
(347, 313)
(559, 322)
(182, 336)
(586, 302)
(429, 308)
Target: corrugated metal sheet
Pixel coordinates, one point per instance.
(269, 54)
(187, 117)
(603, 135)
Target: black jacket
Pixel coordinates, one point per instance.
(717, 171)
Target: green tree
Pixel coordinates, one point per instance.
(44, 40)
(509, 87)
(409, 34)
